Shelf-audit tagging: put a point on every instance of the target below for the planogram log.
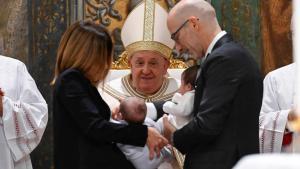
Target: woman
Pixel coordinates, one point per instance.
(83, 136)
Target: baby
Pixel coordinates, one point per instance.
(133, 110)
(181, 106)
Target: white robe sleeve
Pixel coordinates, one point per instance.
(272, 120)
(25, 118)
(181, 105)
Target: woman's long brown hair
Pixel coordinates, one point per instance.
(87, 47)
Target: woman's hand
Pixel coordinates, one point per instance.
(155, 142)
(116, 114)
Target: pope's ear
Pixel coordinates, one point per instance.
(166, 65)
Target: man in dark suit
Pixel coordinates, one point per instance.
(228, 91)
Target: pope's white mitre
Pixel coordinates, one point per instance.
(145, 28)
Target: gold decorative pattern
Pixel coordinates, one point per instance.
(177, 64)
(179, 157)
(149, 20)
(102, 11)
(122, 62)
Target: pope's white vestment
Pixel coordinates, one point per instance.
(279, 91)
(115, 90)
(25, 115)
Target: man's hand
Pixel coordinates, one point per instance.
(293, 120)
(292, 115)
(169, 129)
(1, 103)
(155, 142)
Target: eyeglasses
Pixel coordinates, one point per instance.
(173, 35)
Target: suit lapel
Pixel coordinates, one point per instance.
(201, 80)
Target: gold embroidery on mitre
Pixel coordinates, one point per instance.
(149, 45)
(149, 20)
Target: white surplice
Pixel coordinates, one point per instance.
(278, 97)
(25, 115)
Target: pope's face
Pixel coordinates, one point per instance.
(148, 69)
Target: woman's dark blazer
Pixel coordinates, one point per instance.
(83, 136)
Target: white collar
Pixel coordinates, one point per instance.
(213, 42)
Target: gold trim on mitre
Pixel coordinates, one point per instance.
(164, 50)
(149, 20)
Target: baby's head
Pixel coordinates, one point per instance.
(188, 79)
(133, 110)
